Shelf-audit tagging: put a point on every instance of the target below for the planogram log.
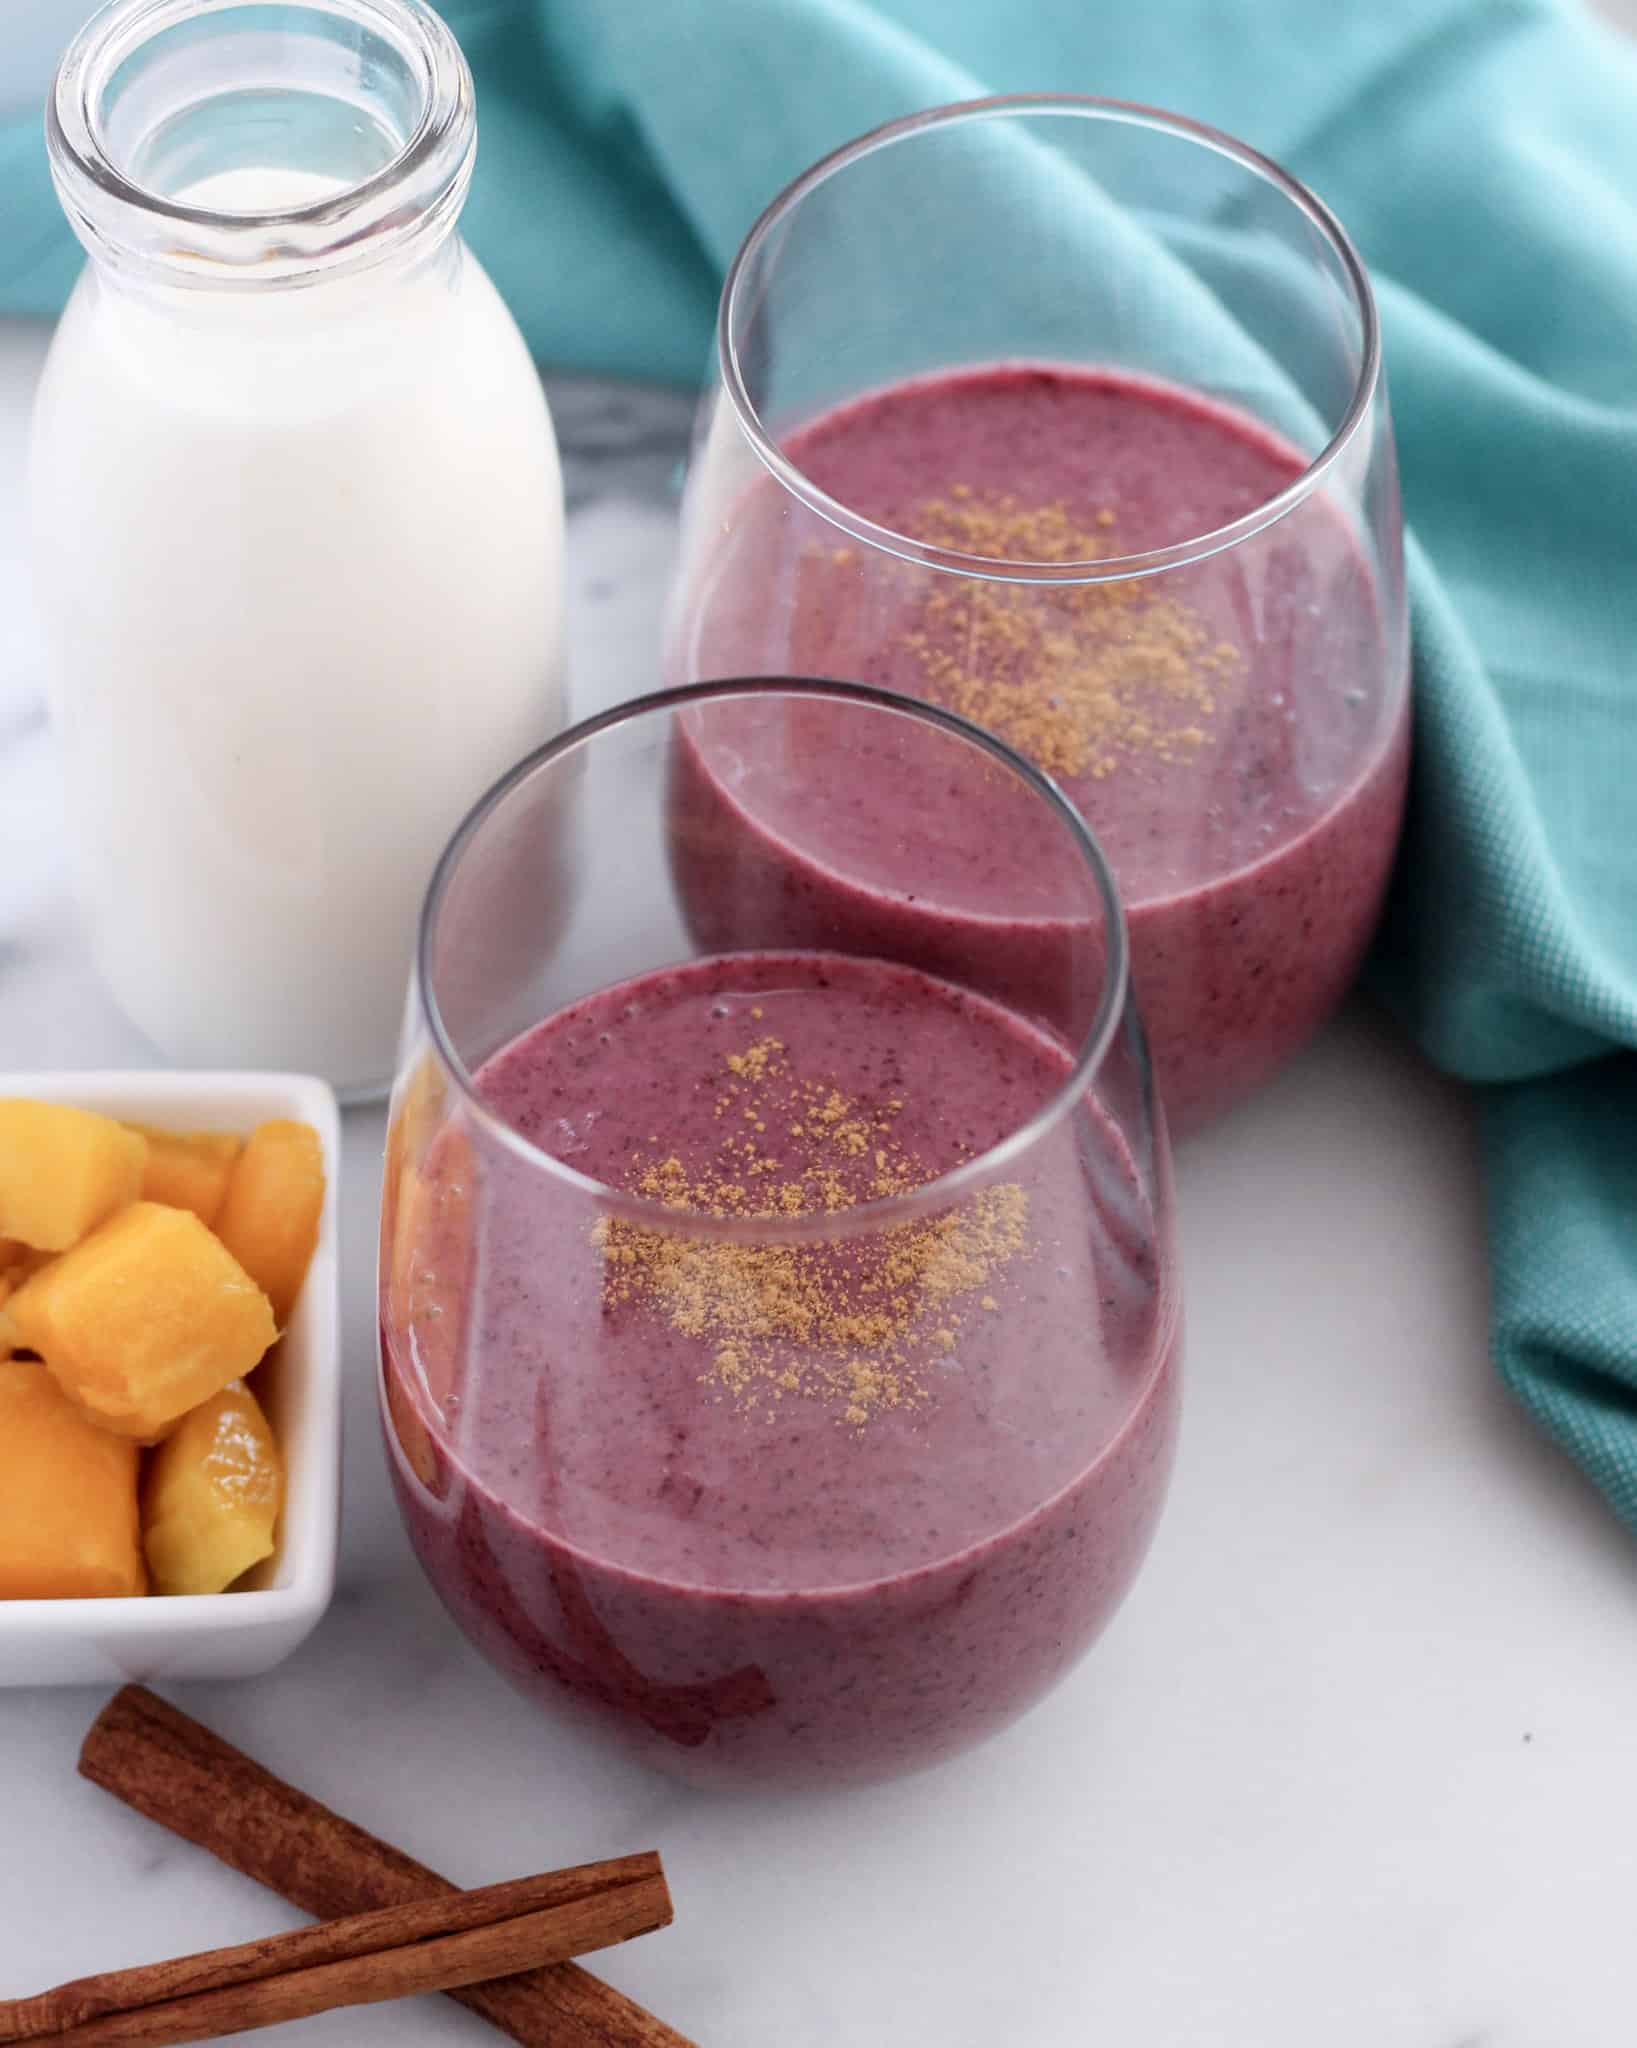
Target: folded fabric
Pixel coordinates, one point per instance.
(1484, 155)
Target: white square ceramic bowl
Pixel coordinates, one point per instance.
(239, 1633)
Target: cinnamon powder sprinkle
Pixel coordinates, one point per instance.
(1075, 675)
(860, 1324)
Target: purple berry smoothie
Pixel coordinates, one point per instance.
(1234, 730)
(782, 1512)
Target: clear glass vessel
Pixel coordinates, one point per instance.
(1069, 415)
(297, 515)
(779, 1345)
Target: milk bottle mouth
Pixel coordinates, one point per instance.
(232, 143)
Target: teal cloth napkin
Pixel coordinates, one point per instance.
(1484, 155)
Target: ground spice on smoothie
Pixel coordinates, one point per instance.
(1074, 675)
(861, 1323)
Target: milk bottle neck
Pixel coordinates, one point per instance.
(200, 153)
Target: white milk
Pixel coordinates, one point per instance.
(299, 559)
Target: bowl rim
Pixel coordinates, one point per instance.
(308, 1538)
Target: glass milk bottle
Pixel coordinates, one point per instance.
(297, 515)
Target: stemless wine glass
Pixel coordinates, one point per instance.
(1069, 415)
(779, 1342)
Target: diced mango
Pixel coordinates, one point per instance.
(275, 1196)
(17, 1262)
(211, 1500)
(188, 1169)
(145, 1319)
(63, 1171)
(68, 1497)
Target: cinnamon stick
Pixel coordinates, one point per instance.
(439, 1963)
(424, 1946)
(168, 1767)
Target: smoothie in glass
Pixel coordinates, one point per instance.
(782, 1511)
(1235, 729)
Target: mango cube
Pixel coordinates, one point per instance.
(63, 1171)
(275, 1196)
(212, 1496)
(12, 1277)
(17, 1262)
(68, 1497)
(188, 1169)
(145, 1319)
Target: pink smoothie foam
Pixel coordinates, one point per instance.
(1235, 731)
(862, 1527)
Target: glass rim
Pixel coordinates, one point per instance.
(344, 231)
(883, 1211)
(1085, 106)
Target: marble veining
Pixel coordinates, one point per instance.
(619, 441)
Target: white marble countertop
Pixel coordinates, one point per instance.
(1355, 1766)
